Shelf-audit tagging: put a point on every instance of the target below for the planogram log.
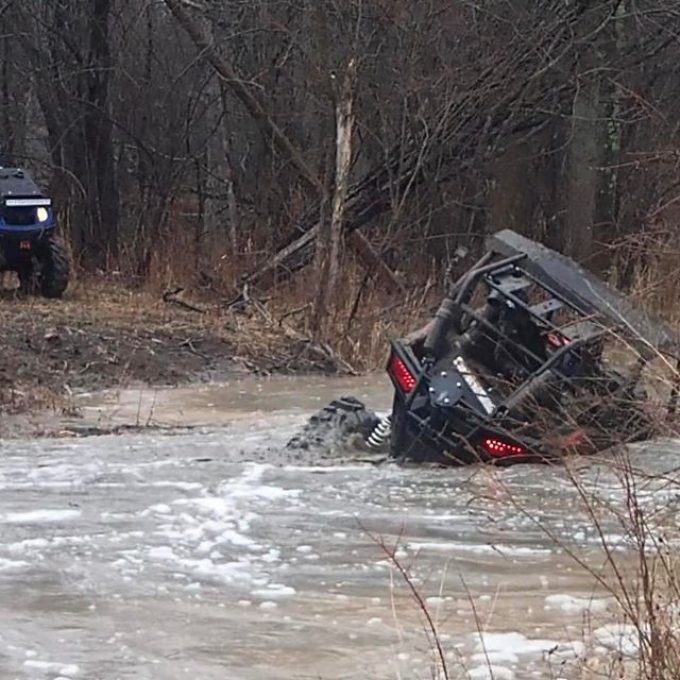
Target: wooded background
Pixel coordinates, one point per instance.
(203, 133)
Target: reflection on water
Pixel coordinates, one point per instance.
(161, 556)
(247, 398)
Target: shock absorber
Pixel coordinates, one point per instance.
(381, 433)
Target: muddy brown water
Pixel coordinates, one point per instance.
(206, 553)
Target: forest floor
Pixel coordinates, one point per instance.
(103, 336)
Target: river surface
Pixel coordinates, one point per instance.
(205, 553)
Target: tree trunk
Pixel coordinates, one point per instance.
(232, 205)
(101, 241)
(612, 95)
(330, 263)
(241, 89)
(8, 137)
(270, 130)
(584, 156)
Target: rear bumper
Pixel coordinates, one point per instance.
(432, 425)
(448, 447)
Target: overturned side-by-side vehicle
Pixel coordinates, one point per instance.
(528, 356)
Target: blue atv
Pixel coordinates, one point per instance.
(28, 245)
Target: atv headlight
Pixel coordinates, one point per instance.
(42, 214)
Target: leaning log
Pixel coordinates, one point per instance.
(367, 200)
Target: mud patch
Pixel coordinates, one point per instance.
(101, 337)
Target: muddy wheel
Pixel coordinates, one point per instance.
(54, 269)
(335, 426)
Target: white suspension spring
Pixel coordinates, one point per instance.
(381, 433)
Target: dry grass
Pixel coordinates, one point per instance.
(106, 332)
(367, 313)
(364, 316)
(650, 260)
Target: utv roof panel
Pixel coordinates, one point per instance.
(15, 182)
(585, 291)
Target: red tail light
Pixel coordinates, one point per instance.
(399, 371)
(557, 340)
(497, 448)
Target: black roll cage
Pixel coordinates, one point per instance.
(641, 331)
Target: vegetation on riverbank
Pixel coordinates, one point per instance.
(105, 335)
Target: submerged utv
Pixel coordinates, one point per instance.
(528, 356)
(28, 245)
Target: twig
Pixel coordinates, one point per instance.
(406, 577)
(328, 351)
(258, 305)
(357, 300)
(188, 343)
(477, 620)
(170, 297)
(293, 312)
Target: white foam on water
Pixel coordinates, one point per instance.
(158, 509)
(209, 536)
(182, 486)
(52, 667)
(268, 605)
(239, 530)
(512, 643)
(34, 546)
(327, 469)
(497, 653)
(274, 591)
(491, 672)
(12, 565)
(236, 538)
(272, 556)
(572, 604)
(477, 548)
(163, 552)
(495, 657)
(62, 475)
(623, 638)
(39, 516)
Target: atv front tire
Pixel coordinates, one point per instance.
(54, 269)
(48, 271)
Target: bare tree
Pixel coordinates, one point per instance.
(175, 134)
(330, 234)
(72, 63)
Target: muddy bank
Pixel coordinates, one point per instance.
(102, 337)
